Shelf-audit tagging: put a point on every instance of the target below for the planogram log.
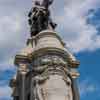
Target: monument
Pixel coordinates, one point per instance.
(46, 70)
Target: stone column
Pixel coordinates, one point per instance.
(22, 62)
(22, 71)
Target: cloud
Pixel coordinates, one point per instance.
(7, 64)
(79, 34)
(10, 28)
(88, 87)
(12, 38)
(13, 30)
(5, 91)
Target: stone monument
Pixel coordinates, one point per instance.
(46, 70)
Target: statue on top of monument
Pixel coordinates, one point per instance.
(39, 17)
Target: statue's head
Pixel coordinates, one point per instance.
(37, 3)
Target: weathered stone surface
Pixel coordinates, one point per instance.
(55, 88)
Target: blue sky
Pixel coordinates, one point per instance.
(78, 25)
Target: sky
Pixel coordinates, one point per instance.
(78, 25)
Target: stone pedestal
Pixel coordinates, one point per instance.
(46, 70)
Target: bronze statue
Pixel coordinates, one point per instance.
(39, 17)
